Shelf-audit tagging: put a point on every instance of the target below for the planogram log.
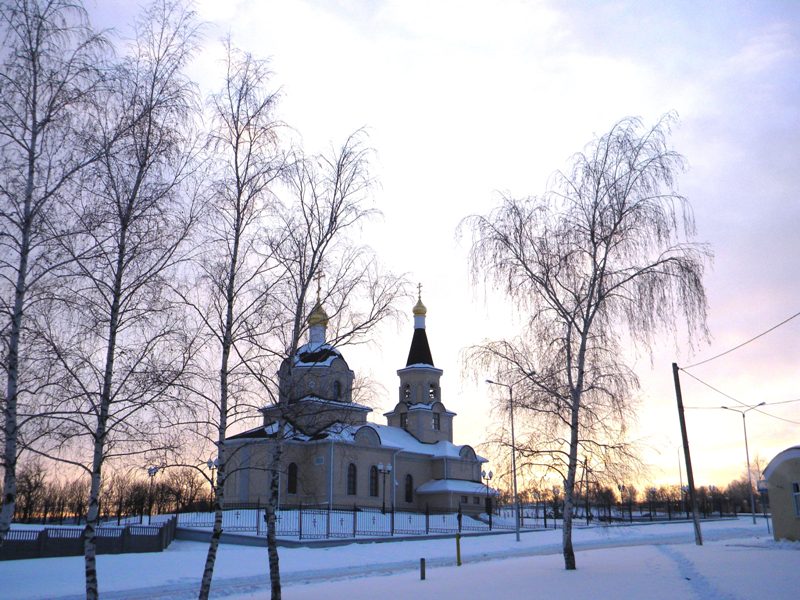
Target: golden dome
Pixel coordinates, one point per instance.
(419, 308)
(318, 316)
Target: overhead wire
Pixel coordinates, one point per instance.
(739, 402)
(752, 339)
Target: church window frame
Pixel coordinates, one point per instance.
(337, 390)
(373, 481)
(796, 498)
(437, 422)
(407, 392)
(291, 479)
(409, 488)
(404, 420)
(352, 480)
(432, 392)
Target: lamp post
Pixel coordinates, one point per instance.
(212, 465)
(384, 470)
(151, 473)
(747, 454)
(513, 451)
(487, 477)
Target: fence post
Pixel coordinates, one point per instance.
(300, 522)
(392, 519)
(258, 515)
(427, 519)
(125, 539)
(41, 542)
(328, 524)
(355, 520)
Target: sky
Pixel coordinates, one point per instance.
(465, 100)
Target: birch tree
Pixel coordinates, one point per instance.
(118, 339)
(327, 203)
(48, 82)
(235, 271)
(273, 219)
(604, 258)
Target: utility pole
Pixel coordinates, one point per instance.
(698, 536)
(586, 487)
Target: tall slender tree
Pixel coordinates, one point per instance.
(51, 61)
(603, 258)
(119, 340)
(326, 203)
(236, 271)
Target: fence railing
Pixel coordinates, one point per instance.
(323, 522)
(340, 522)
(68, 541)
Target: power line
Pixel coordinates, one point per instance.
(708, 385)
(758, 410)
(752, 339)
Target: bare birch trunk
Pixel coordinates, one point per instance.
(10, 413)
(216, 534)
(272, 508)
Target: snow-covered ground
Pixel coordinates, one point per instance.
(738, 560)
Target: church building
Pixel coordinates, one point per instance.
(331, 454)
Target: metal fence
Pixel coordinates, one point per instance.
(323, 522)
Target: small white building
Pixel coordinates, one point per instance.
(783, 482)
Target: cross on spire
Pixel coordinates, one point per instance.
(319, 277)
(419, 291)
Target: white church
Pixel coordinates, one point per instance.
(331, 454)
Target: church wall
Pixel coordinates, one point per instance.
(469, 470)
(363, 457)
(421, 470)
(319, 381)
(419, 385)
(313, 462)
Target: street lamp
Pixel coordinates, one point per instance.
(747, 454)
(487, 477)
(513, 451)
(151, 473)
(212, 465)
(384, 470)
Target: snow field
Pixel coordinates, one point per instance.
(739, 560)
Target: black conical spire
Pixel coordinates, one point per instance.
(420, 352)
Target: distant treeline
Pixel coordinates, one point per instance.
(45, 498)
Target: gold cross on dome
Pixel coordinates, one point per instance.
(319, 277)
(419, 291)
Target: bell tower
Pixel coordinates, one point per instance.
(420, 410)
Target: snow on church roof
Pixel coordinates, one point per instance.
(459, 486)
(316, 355)
(395, 437)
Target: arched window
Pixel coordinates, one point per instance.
(407, 392)
(373, 481)
(432, 392)
(437, 422)
(337, 390)
(404, 420)
(409, 488)
(292, 483)
(351, 479)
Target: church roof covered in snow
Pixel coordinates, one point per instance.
(316, 355)
(459, 486)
